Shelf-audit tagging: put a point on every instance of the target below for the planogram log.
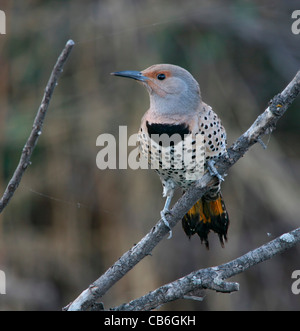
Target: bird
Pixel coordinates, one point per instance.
(181, 137)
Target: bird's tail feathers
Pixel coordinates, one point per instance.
(207, 214)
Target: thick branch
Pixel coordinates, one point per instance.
(213, 278)
(264, 124)
(36, 128)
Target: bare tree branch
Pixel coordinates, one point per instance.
(37, 127)
(264, 124)
(213, 278)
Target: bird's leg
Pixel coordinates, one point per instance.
(166, 211)
(212, 169)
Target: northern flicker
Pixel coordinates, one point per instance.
(181, 136)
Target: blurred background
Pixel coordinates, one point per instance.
(69, 221)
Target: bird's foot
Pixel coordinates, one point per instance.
(163, 214)
(213, 171)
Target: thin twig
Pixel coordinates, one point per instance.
(37, 127)
(264, 124)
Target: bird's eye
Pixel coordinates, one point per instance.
(161, 76)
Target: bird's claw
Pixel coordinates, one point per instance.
(213, 171)
(163, 214)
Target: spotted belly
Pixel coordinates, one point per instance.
(176, 157)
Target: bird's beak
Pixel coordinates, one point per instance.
(131, 74)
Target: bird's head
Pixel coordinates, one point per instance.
(172, 89)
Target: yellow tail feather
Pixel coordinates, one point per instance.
(206, 215)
